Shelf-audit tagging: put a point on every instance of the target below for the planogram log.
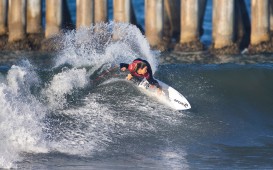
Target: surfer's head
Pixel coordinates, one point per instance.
(141, 68)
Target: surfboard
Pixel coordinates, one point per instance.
(168, 95)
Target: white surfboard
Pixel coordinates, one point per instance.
(169, 95)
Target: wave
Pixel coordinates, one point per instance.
(20, 116)
(59, 110)
(56, 109)
(105, 43)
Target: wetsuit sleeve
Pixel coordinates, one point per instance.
(121, 65)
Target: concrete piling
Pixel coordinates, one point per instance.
(260, 21)
(122, 10)
(271, 15)
(85, 13)
(101, 14)
(260, 40)
(154, 21)
(34, 16)
(17, 20)
(54, 10)
(189, 21)
(3, 17)
(223, 23)
(190, 26)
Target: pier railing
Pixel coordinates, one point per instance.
(166, 21)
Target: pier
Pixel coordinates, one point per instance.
(169, 24)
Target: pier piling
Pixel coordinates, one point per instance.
(101, 14)
(34, 16)
(54, 20)
(260, 21)
(190, 26)
(3, 17)
(122, 11)
(271, 15)
(17, 20)
(260, 40)
(189, 21)
(154, 21)
(85, 13)
(223, 23)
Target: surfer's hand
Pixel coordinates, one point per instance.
(123, 69)
(129, 77)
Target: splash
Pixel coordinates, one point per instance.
(63, 84)
(20, 116)
(105, 43)
(91, 127)
(36, 115)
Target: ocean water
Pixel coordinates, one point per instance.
(57, 115)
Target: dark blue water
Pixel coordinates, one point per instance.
(115, 126)
(54, 116)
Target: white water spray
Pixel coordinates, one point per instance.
(20, 116)
(105, 43)
(87, 129)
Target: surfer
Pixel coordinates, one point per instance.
(140, 69)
